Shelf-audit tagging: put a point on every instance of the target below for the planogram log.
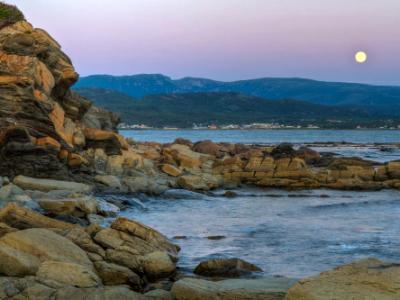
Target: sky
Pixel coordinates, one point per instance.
(226, 39)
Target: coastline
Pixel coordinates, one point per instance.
(58, 151)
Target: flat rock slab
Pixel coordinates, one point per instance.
(368, 279)
(46, 185)
(273, 288)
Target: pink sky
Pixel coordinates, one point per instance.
(226, 39)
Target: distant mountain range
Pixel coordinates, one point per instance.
(183, 109)
(158, 100)
(383, 99)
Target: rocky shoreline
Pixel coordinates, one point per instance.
(57, 150)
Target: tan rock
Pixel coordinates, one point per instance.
(125, 258)
(109, 180)
(159, 294)
(115, 165)
(68, 273)
(365, 279)
(171, 170)
(17, 263)
(151, 236)
(193, 182)
(393, 169)
(22, 218)
(186, 158)
(4, 229)
(98, 293)
(233, 267)
(82, 238)
(76, 160)
(46, 246)
(158, 265)
(48, 142)
(57, 116)
(232, 289)
(46, 185)
(79, 207)
(113, 274)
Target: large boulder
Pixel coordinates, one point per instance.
(68, 274)
(46, 245)
(232, 289)
(365, 279)
(207, 147)
(113, 274)
(232, 267)
(158, 265)
(150, 235)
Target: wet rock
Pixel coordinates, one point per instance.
(365, 279)
(216, 237)
(310, 156)
(232, 267)
(283, 150)
(180, 237)
(230, 194)
(244, 289)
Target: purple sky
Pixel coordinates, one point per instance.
(226, 39)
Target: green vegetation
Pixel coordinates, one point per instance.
(184, 109)
(9, 14)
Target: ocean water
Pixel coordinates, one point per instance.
(368, 144)
(268, 136)
(294, 234)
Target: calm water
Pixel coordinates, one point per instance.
(268, 136)
(370, 139)
(293, 234)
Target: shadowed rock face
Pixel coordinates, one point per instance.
(39, 115)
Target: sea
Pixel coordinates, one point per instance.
(287, 233)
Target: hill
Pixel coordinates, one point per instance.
(184, 109)
(383, 99)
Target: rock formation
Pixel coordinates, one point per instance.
(42, 123)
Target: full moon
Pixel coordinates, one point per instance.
(361, 57)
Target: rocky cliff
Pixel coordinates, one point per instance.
(42, 123)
